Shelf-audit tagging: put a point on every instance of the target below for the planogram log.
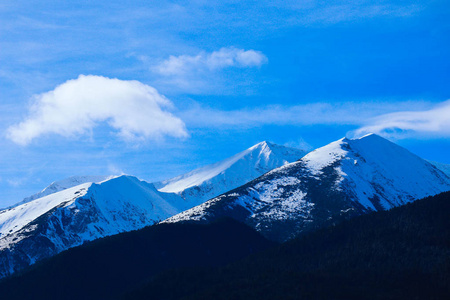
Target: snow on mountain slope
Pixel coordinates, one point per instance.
(212, 180)
(443, 167)
(61, 185)
(50, 224)
(14, 219)
(338, 181)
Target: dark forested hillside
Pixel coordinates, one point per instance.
(106, 268)
(403, 253)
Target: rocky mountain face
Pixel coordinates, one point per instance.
(48, 225)
(341, 180)
(210, 181)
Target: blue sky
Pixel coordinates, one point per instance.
(155, 90)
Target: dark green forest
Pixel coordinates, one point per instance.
(106, 268)
(403, 253)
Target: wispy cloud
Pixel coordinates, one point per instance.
(114, 169)
(354, 10)
(226, 57)
(16, 182)
(135, 110)
(345, 113)
(195, 73)
(390, 119)
(299, 143)
(433, 122)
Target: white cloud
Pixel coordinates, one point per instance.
(135, 110)
(431, 122)
(225, 57)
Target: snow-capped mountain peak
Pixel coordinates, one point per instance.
(50, 224)
(345, 178)
(212, 180)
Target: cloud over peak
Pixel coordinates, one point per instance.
(389, 119)
(133, 109)
(431, 122)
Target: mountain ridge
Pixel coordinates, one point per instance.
(340, 180)
(48, 225)
(60, 185)
(212, 180)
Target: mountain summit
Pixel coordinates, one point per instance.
(212, 180)
(343, 179)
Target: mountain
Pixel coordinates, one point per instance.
(398, 254)
(61, 185)
(343, 179)
(84, 208)
(210, 181)
(107, 268)
(48, 225)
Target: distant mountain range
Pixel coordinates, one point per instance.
(338, 181)
(276, 190)
(84, 208)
